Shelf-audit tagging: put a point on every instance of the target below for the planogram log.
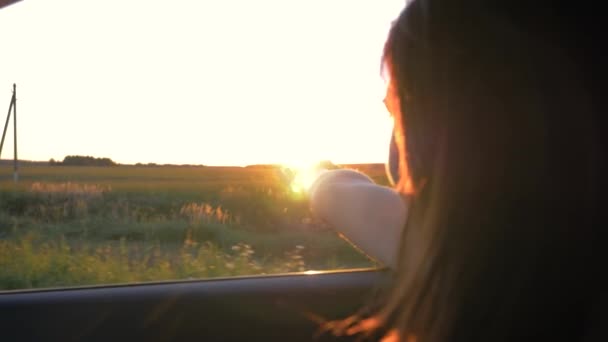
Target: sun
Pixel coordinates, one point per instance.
(301, 176)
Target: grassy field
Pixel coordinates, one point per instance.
(68, 226)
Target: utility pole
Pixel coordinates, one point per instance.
(12, 108)
(15, 159)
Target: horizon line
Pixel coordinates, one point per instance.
(3, 161)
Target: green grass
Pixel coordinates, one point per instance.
(68, 226)
(33, 262)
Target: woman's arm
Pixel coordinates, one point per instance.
(370, 216)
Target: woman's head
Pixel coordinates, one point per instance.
(498, 151)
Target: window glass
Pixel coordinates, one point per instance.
(163, 140)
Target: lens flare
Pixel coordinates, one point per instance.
(301, 177)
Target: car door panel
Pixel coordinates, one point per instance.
(285, 307)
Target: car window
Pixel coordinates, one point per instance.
(161, 140)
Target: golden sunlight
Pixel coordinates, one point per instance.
(302, 176)
(245, 82)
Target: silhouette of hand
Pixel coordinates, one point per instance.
(300, 179)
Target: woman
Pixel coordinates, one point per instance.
(492, 228)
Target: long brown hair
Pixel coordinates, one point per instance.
(500, 145)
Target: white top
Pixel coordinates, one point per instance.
(369, 215)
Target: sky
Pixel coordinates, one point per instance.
(213, 82)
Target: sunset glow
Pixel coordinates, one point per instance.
(302, 176)
(223, 82)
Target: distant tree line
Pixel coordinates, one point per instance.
(83, 161)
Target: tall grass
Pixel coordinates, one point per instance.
(30, 263)
(81, 226)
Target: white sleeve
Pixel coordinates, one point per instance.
(369, 215)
